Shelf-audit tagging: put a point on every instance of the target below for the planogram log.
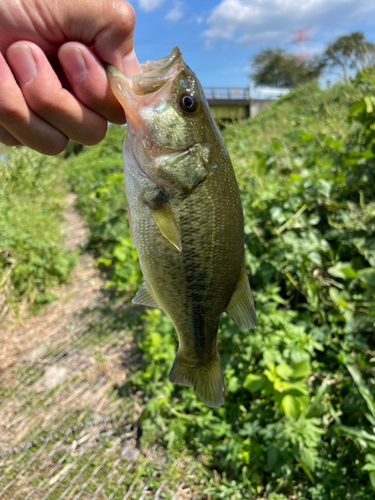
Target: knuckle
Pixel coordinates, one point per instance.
(10, 111)
(42, 104)
(128, 15)
(129, 12)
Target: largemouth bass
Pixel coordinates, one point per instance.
(185, 216)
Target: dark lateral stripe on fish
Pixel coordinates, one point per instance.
(197, 290)
(198, 330)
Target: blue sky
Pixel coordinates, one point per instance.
(217, 37)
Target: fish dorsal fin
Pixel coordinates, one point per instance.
(241, 305)
(144, 297)
(164, 218)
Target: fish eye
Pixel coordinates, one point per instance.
(188, 102)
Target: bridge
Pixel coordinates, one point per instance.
(239, 103)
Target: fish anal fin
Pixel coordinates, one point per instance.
(241, 305)
(164, 218)
(206, 380)
(144, 297)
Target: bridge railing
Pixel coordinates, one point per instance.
(226, 92)
(250, 92)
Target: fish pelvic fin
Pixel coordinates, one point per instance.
(241, 305)
(206, 380)
(144, 297)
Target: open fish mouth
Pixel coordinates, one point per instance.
(155, 74)
(141, 90)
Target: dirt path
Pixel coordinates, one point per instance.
(18, 340)
(69, 427)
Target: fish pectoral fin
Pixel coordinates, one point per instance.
(144, 297)
(241, 305)
(206, 380)
(164, 218)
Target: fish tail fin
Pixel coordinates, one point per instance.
(206, 380)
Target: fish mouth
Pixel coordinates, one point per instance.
(141, 89)
(155, 74)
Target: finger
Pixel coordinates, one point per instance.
(105, 25)
(45, 95)
(108, 26)
(20, 122)
(89, 82)
(7, 139)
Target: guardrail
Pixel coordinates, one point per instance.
(249, 92)
(226, 92)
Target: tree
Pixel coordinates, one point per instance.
(278, 68)
(350, 53)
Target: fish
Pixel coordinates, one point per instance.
(185, 216)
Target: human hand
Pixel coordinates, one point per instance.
(53, 87)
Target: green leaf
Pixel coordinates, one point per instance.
(367, 276)
(104, 261)
(364, 437)
(339, 298)
(284, 371)
(357, 107)
(253, 382)
(366, 394)
(307, 457)
(290, 405)
(342, 270)
(276, 144)
(317, 399)
(352, 158)
(372, 479)
(369, 104)
(301, 370)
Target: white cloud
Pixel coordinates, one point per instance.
(252, 22)
(176, 12)
(149, 5)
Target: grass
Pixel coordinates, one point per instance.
(33, 257)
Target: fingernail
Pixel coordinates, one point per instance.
(73, 63)
(130, 64)
(22, 63)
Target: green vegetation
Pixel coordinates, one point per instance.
(350, 53)
(279, 68)
(300, 400)
(299, 416)
(33, 257)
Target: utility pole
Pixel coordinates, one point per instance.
(301, 36)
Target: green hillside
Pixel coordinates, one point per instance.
(300, 400)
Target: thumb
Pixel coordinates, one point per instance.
(107, 26)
